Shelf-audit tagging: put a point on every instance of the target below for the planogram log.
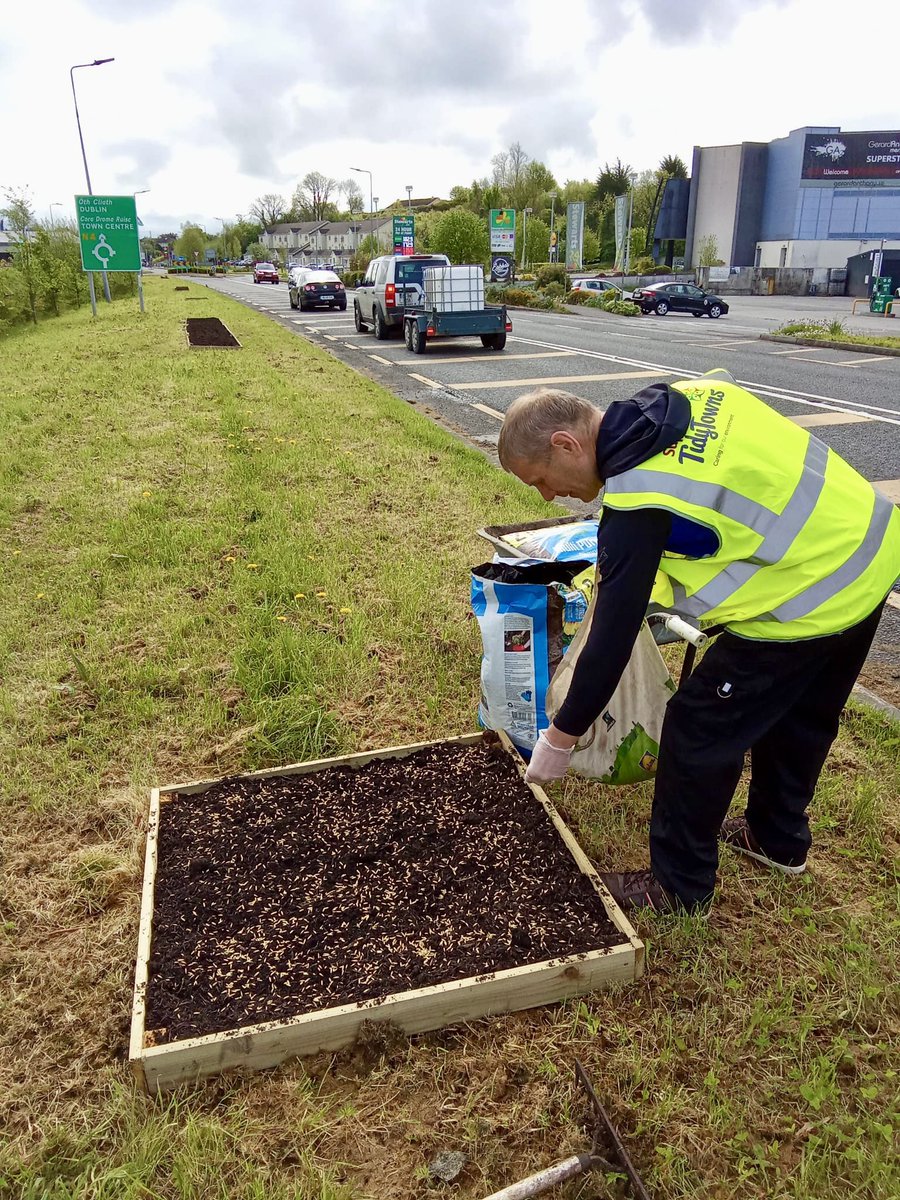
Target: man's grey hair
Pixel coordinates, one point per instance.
(532, 419)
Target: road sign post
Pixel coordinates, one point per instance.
(108, 235)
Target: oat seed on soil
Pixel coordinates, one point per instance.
(280, 896)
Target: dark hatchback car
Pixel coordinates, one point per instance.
(315, 289)
(662, 298)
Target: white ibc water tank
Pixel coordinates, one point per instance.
(454, 289)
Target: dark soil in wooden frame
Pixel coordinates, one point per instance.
(291, 894)
(209, 331)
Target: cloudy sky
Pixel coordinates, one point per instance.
(210, 103)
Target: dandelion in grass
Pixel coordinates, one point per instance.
(345, 610)
(40, 595)
(281, 618)
(299, 595)
(252, 566)
(146, 493)
(279, 439)
(321, 595)
(15, 552)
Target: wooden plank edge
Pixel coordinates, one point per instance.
(321, 764)
(145, 934)
(452, 1003)
(615, 913)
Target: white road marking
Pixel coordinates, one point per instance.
(424, 379)
(491, 412)
(488, 355)
(812, 420)
(387, 362)
(796, 350)
(890, 487)
(810, 399)
(864, 360)
(334, 338)
(894, 600)
(547, 379)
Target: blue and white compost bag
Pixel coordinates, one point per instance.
(528, 613)
(568, 541)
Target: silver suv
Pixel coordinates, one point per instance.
(392, 282)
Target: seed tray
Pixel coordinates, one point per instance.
(165, 1057)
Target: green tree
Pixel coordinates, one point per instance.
(672, 167)
(462, 236)
(191, 243)
(708, 251)
(537, 240)
(246, 231)
(613, 180)
(257, 251)
(591, 247)
(353, 197)
(268, 209)
(20, 217)
(313, 197)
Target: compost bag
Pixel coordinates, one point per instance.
(528, 613)
(622, 746)
(534, 617)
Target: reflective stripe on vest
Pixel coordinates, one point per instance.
(783, 531)
(710, 495)
(861, 558)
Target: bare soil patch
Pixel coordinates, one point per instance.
(209, 331)
(290, 894)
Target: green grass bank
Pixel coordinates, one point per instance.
(221, 560)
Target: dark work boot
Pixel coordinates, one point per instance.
(635, 891)
(736, 833)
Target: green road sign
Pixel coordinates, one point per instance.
(503, 230)
(108, 233)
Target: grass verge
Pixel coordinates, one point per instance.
(219, 560)
(834, 331)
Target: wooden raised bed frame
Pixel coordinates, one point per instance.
(268, 1043)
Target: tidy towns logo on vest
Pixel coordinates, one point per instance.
(702, 430)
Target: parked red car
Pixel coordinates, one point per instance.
(265, 273)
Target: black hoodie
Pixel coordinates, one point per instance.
(629, 547)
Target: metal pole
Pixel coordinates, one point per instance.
(92, 293)
(553, 254)
(98, 62)
(140, 291)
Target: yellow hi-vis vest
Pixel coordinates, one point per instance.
(807, 547)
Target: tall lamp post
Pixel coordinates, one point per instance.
(632, 179)
(55, 204)
(553, 254)
(140, 283)
(409, 188)
(98, 62)
(364, 171)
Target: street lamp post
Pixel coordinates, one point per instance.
(525, 214)
(632, 179)
(553, 254)
(364, 171)
(98, 62)
(409, 188)
(55, 204)
(140, 282)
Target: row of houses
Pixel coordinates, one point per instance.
(333, 243)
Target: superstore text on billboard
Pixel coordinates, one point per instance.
(832, 157)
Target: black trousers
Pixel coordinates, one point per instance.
(781, 701)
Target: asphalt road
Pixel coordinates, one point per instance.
(850, 399)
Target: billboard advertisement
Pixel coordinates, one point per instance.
(861, 158)
(503, 231)
(404, 230)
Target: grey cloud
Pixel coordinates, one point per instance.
(545, 126)
(143, 157)
(690, 20)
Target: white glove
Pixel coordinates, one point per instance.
(547, 761)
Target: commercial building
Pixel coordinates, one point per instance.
(813, 199)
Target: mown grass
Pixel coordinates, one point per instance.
(223, 560)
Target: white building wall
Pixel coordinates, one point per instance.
(717, 193)
(826, 253)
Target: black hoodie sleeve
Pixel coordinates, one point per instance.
(629, 547)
